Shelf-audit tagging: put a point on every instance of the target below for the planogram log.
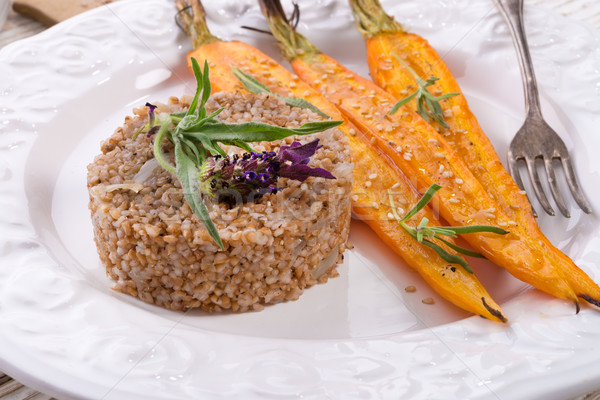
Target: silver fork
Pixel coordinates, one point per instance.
(536, 139)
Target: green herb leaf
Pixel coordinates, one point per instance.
(257, 87)
(199, 85)
(423, 233)
(256, 131)
(459, 249)
(189, 176)
(422, 202)
(428, 105)
(158, 139)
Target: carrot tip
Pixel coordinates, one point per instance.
(590, 300)
(496, 313)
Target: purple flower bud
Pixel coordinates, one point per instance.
(262, 177)
(151, 115)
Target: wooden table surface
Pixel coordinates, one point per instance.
(20, 27)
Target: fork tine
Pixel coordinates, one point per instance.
(537, 185)
(573, 183)
(560, 202)
(513, 170)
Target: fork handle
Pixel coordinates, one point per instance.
(512, 11)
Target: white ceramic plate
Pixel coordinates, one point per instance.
(63, 330)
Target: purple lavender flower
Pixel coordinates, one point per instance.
(151, 113)
(254, 174)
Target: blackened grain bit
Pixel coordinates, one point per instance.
(496, 313)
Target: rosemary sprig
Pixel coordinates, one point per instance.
(256, 87)
(197, 136)
(423, 233)
(428, 105)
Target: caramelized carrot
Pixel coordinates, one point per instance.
(421, 153)
(374, 175)
(387, 41)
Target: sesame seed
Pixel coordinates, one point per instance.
(453, 200)
(410, 289)
(324, 76)
(502, 224)
(390, 216)
(441, 168)
(448, 113)
(438, 155)
(447, 174)
(399, 149)
(292, 85)
(368, 184)
(522, 192)
(354, 197)
(458, 181)
(395, 185)
(512, 223)
(316, 82)
(372, 176)
(407, 156)
(373, 140)
(352, 131)
(428, 300)
(306, 93)
(368, 116)
(375, 205)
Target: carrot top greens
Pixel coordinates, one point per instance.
(199, 159)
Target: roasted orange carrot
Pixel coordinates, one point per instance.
(374, 175)
(421, 153)
(386, 42)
